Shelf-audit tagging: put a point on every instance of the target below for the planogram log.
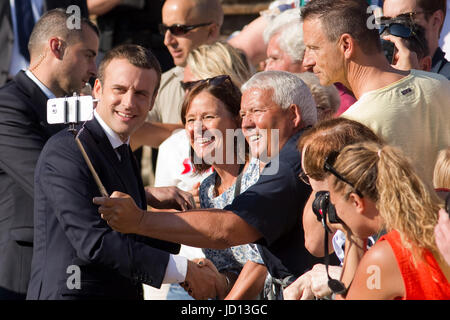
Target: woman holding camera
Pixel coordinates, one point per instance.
(374, 187)
(315, 145)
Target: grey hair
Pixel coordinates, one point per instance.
(287, 89)
(288, 25)
(326, 97)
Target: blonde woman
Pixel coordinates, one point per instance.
(210, 60)
(441, 174)
(441, 182)
(374, 187)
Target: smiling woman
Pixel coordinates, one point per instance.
(209, 110)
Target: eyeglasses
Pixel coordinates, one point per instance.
(328, 166)
(304, 177)
(215, 81)
(407, 15)
(180, 29)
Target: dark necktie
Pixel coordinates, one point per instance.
(124, 153)
(126, 164)
(25, 24)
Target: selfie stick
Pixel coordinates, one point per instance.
(99, 183)
(72, 129)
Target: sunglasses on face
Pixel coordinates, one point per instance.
(328, 166)
(180, 29)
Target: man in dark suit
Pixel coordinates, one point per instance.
(62, 60)
(9, 36)
(76, 254)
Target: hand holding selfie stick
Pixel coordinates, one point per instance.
(73, 110)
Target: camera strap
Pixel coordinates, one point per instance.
(335, 285)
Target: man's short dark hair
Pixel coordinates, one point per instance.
(54, 23)
(136, 55)
(345, 16)
(431, 6)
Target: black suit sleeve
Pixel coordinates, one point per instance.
(69, 189)
(21, 141)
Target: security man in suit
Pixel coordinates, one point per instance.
(76, 253)
(17, 18)
(62, 61)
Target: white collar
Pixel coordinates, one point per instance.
(41, 86)
(113, 137)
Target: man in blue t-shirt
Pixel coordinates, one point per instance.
(276, 107)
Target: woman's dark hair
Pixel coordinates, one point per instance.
(223, 89)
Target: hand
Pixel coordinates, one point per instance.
(404, 59)
(442, 234)
(300, 289)
(169, 198)
(195, 194)
(201, 279)
(120, 212)
(319, 279)
(223, 282)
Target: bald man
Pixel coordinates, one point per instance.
(186, 25)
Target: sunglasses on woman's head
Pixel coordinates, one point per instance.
(328, 166)
(214, 81)
(180, 29)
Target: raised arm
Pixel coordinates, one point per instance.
(206, 228)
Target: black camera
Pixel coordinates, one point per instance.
(322, 206)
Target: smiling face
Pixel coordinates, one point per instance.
(184, 13)
(321, 55)
(207, 120)
(125, 96)
(262, 119)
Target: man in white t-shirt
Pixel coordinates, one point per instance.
(409, 109)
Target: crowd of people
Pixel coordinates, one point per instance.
(306, 156)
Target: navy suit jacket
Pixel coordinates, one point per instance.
(70, 234)
(23, 133)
